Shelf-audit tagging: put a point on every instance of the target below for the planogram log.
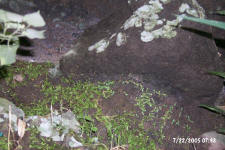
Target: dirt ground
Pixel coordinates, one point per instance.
(61, 35)
(185, 120)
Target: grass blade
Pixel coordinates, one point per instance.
(220, 74)
(213, 109)
(222, 131)
(218, 24)
(220, 12)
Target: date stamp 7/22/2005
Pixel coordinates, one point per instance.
(190, 140)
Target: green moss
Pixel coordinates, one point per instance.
(124, 129)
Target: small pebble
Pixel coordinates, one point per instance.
(18, 78)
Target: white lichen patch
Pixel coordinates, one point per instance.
(70, 52)
(146, 36)
(150, 24)
(99, 46)
(167, 31)
(165, 1)
(112, 36)
(121, 39)
(130, 1)
(130, 22)
(159, 22)
(138, 23)
(156, 5)
(147, 18)
(192, 12)
(200, 10)
(146, 14)
(186, 8)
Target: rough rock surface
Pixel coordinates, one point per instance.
(211, 8)
(47, 125)
(179, 62)
(215, 141)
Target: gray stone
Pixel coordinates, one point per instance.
(55, 125)
(15, 113)
(69, 121)
(72, 142)
(4, 108)
(55, 72)
(216, 141)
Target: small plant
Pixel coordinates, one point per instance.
(4, 143)
(220, 74)
(13, 26)
(215, 110)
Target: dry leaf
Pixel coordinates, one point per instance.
(21, 128)
(221, 107)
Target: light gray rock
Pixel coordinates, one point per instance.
(69, 121)
(56, 126)
(15, 113)
(4, 108)
(72, 142)
(217, 141)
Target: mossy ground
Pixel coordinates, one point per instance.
(118, 114)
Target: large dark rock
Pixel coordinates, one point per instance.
(180, 58)
(211, 6)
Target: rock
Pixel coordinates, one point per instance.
(215, 141)
(218, 34)
(18, 78)
(46, 128)
(4, 108)
(69, 121)
(18, 6)
(72, 142)
(4, 114)
(55, 72)
(56, 126)
(152, 45)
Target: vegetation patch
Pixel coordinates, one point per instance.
(141, 129)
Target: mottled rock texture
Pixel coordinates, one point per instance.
(180, 63)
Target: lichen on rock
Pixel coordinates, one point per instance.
(99, 46)
(121, 39)
(147, 16)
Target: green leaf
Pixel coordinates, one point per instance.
(94, 129)
(218, 24)
(32, 34)
(220, 12)
(34, 19)
(213, 109)
(8, 54)
(6, 16)
(222, 131)
(88, 118)
(13, 25)
(220, 74)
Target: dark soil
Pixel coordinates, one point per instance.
(61, 35)
(198, 121)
